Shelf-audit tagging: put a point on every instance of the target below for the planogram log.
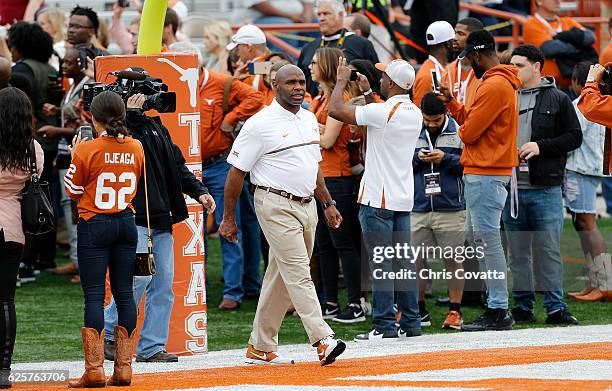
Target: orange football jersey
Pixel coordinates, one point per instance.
(104, 175)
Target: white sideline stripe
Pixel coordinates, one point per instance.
(75, 187)
(422, 344)
(244, 387)
(557, 370)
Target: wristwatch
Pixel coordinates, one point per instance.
(366, 93)
(328, 204)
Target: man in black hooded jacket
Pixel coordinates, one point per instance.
(167, 179)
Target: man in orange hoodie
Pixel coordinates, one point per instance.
(489, 132)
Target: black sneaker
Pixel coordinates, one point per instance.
(26, 273)
(492, 319)
(109, 350)
(5, 375)
(352, 314)
(377, 336)
(425, 319)
(330, 311)
(561, 317)
(162, 356)
(523, 316)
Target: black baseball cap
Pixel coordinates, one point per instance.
(478, 41)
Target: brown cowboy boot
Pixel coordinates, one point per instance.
(93, 347)
(124, 348)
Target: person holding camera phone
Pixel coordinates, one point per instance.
(167, 179)
(71, 115)
(103, 176)
(336, 244)
(440, 36)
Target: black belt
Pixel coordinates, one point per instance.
(216, 157)
(282, 193)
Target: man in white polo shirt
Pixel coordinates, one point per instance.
(386, 194)
(280, 147)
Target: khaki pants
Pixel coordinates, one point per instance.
(441, 229)
(289, 227)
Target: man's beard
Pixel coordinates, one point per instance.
(478, 70)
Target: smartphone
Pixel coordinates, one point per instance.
(426, 151)
(86, 132)
(435, 82)
(260, 68)
(3, 32)
(354, 76)
(123, 3)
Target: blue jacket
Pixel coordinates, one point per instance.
(451, 172)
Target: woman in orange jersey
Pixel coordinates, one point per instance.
(342, 242)
(103, 176)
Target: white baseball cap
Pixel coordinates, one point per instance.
(248, 34)
(438, 32)
(400, 71)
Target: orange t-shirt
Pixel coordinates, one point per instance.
(104, 175)
(336, 160)
(243, 102)
(536, 33)
(422, 81)
(463, 90)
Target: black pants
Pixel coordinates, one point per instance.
(42, 247)
(10, 254)
(108, 241)
(343, 243)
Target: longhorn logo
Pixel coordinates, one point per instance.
(189, 75)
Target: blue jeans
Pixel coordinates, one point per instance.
(535, 235)
(485, 197)
(241, 260)
(606, 188)
(160, 297)
(383, 227)
(108, 241)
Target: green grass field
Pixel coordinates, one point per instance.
(50, 311)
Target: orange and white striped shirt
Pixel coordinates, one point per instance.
(104, 175)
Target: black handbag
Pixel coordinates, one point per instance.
(36, 209)
(145, 262)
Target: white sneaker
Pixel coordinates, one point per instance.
(328, 349)
(377, 336)
(254, 356)
(367, 307)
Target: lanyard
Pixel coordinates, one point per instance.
(553, 32)
(462, 84)
(439, 66)
(340, 40)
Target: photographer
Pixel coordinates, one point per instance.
(167, 179)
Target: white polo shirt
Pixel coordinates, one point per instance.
(280, 149)
(393, 130)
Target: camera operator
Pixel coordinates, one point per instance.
(167, 179)
(595, 106)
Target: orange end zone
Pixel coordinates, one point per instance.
(311, 374)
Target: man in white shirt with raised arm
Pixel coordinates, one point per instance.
(386, 194)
